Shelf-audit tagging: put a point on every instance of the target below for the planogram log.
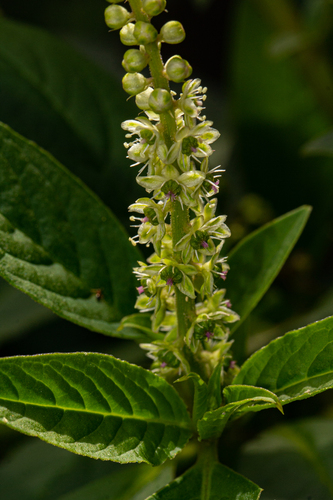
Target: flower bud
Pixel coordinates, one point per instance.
(153, 7)
(127, 34)
(145, 33)
(160, 100)
(141, 100)
(172, 32)
(177, 69)
(134, 60)
(134, 83)
(116, 16)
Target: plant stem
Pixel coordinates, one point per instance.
(179, 216)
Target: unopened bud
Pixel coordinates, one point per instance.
(116, 16)
(145, 33)
(153, 7)
(134, 83)
(127, 35)
(134, 60)
(141, 100)
(160, 100)
(177, 69)
(172, 32)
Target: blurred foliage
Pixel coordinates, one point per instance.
(269, 71)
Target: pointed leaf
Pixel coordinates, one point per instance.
(258, 259)
(213, 422)
(93, 405)
(213, 482)
(295, 366)
(234, 393)
(58, 242)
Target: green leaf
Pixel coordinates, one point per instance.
(209, 481)
(214, 394)
(240, 399)
(301, 452)
(200, 395)
(321, 146)
(58, 242)
(48, 86)
(295, 366)
(94, 405)
(235, 393)
(258, 259)
(140, 323)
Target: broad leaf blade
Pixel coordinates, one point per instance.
(295, 366)
(94, 405)
(258, 259)
(58, 242)
(213, 482)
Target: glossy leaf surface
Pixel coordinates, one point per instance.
(295, 366)
(258, 258)
(58, 242)
(213, 481)
(93, 405)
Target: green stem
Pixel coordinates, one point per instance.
(179, 216)
(207, 457)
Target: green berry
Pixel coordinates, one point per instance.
(134, 60)
(172, 32)
(142, 99)
(134, 83)
(177, 69)
(153, 7)
(145, 33)
(116, 16)
(127, 34)
(160, 101)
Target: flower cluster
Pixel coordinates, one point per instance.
(171, 143)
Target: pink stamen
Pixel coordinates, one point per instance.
(171, 195)
(169, 282)
(209, 335)
(204, 244)
(140, 289)
(224, 275)
(145, 219)
(214, 186)
(232, 364)
(163, 364)
(228, 303)
(194, 150)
